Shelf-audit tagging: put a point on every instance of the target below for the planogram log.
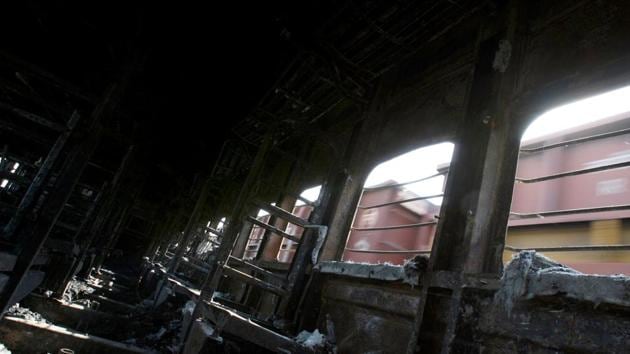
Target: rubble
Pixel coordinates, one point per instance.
(408, 273)
(170, 321)
(210, 331)
(226, 296)
(414, 267)
(311, 340)
(75, 290)
(530, 275)
(23, 312)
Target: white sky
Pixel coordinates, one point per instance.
(414, 165)
(311, 194)
(424, 161)
(580, 112)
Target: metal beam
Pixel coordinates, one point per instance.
(190, 225)
(33, 237)
(395, 227)
(570, 211)
(40, 179)
(571, 248)
(576, 141)
(400, 201)
(405, 183)
(388, 251)
(33, 117)
(574, 173)
(229, 271)
(272, 229)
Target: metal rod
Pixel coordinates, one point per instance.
(388, 251)
(281, 213)
(191, 264)
(305, 201)
(574, 173)
(400, 201)
(273, 229)
(28, 134)
(570, 211)
(33, 117)
(577, 141)
(104, 169)
(571, 248)
(214, 231)
(32, 70)
(405, 183)
(229, 271)
(395, 227)
(256, 268)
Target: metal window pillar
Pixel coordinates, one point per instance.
(288, 288)
(188, 234)
(33, 236)
(125, 204)
(270, 243)
(164, 237)
(246, 231)
(190, 225)
(77, 260)
(40, 178)
(105, 211)
(473, 221)
(238, 213)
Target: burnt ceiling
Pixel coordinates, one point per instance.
(202, 74)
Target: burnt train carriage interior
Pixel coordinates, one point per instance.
(313, 206)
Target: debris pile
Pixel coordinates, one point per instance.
(317, 342)
(311, 339)
(165, 340)
(170, 321)
(23, 312)
(530, 275)
(75, 291)
(220, 295)
(414, 267)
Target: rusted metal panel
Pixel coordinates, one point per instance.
(368, 315)
(379, 298)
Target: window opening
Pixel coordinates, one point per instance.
(397, 214)
(212, 239)
(302, 210)
(571, 196)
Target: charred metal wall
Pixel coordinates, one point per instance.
(570, 51)
(547, 325)
(543, 55)
(368, 316)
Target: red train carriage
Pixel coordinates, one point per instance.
(570, 202)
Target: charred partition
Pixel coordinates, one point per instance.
(153, 163)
